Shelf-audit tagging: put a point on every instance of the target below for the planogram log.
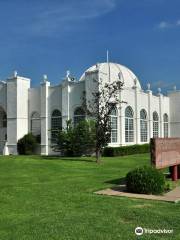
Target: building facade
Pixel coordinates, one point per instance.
(38, 110)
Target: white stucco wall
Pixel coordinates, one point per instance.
(34, 102)
(20, 101)
(17, 110)
(75, 99)
(174, 108)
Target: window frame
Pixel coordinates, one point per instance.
(114, 122)
(36, 119)
(166, 125)
(56, 123)
(155, 125)
(143, 126)
(129, 125)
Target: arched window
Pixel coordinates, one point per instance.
(166, 125)
(155, 125)
(113, 120)
(129, 125)
(3, 118)
(35, 124)
(143, 125)
(56, 123)
(79, 115)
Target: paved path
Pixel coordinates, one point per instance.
(120, 191)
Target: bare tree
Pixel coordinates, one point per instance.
(99, 107)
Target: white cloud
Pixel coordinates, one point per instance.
(163, 25)
(162, 84)
(69, 15)
(166, 24)
(178, 23)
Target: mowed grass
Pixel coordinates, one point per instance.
(53, 198)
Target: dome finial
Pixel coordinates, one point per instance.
(15, 73)
(174, 88)
(148, 86)
(159, 90)
(68, 73)
(45, 78)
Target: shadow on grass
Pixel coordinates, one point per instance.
(119, 184)
(118, 181)
(71, 159)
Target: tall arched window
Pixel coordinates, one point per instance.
(56, 123)
(113, 120)
(155, 125)
(35, 124)
(129, 125)
(3, 118)
(79, 115)
(166, 125)
(143, 125)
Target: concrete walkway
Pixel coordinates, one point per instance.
(120, 191)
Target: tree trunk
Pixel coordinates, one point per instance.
(98, 156)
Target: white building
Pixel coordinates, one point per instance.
(24, 109)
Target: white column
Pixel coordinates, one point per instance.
(44, 117)
(17, 110)
(65, 102)
(137, 124)
(150, 123)
(160, 114)
(120, 120)
(12, 115)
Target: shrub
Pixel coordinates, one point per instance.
(145, 180)
(85, 138)
(38, 138)
(126, 150)
(76, 140)
(27, 145)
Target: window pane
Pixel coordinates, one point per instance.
(143, 130)
(155, 129)
(35, 124)
(166, 129)
(129, 112)
(155, 116)
(129, 125)
(56, 124)
(113, 120)
(166, 125)
(143, 114)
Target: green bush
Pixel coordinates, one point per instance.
(126, 150)
(76, 140)
(145, 180)
(27, 145)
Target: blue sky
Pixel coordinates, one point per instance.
(50, 37)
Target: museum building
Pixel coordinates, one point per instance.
(140, 116)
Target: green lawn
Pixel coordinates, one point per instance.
(52, 198)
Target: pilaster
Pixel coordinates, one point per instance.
(17, 110)
(150, 122)
(136, 114)
(44, 117)
(65, 102)
(160, 113)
